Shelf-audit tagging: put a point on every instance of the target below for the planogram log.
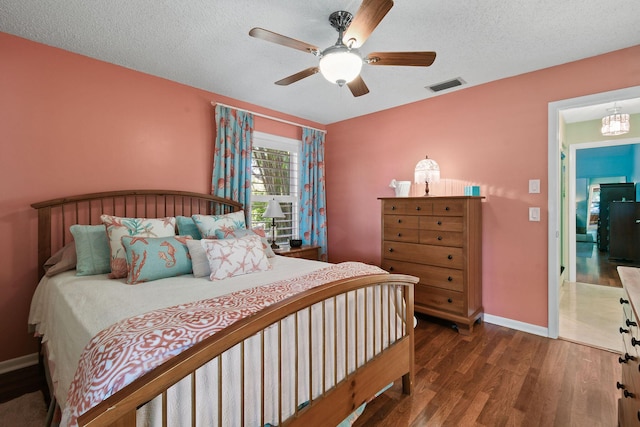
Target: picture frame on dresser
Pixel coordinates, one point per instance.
(439, 240)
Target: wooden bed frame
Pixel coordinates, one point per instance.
(335, 402)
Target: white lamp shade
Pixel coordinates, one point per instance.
(273, 210)
(426, 170)
(340, 65)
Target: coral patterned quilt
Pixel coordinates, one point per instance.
(132, 347)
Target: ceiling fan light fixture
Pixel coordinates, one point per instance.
(340, 65)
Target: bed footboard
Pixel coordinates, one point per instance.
(313, 358)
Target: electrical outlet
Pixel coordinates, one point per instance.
(534, 214)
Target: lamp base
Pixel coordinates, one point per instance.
(274, 245)
(426, 189)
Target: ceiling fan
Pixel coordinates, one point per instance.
(342, 62)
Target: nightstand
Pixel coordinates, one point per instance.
(305, 251)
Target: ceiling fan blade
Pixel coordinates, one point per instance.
(415, 59)
(270, 36)
(298, 76)
(365, 21)
(357, 87)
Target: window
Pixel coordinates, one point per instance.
(275, 176)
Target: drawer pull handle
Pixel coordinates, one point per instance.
(629, 394)
(627, 357)
(417, 208)
(450, 279)
(399, 221)
(624, 301)
(623, 331)
(399, 234)
(390, 268)
(619, 386)
(390, 249)
(449, 300)
(634, 341)
(439, 237)
(449, 256)
(393, 208)
(630, 323)
(439, 222)
(446, 208)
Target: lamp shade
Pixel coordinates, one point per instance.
(273, 210)
(426, 170)
(340, 65)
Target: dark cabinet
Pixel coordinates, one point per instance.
(624, 231)
(608, 194)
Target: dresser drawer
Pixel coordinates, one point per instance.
(631, 402)
(440, 299)
(442, 223)
(414, 206)
(440, 277)
(401, 221)
(449, 207)
(441, 238)
(441, 256)
(401, 234)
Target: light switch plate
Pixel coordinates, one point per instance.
(534, 214)
(534, 186)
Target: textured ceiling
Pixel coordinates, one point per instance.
(205, 43)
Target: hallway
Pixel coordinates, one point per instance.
(590, 309)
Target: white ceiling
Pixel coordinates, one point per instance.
(205, 43)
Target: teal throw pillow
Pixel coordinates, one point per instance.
(153, 258)
(186, 227)
(92, 249)
(209, 225)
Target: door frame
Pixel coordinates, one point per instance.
(554, 200)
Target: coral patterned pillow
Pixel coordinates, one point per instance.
(118, 227)
(235, 234)
(227, 223)
(153, 258)
(233, 257)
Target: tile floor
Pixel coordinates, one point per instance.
(591, 315)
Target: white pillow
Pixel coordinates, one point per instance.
(199, 261)
(233, 257)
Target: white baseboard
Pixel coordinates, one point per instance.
(18, 363)
(514, 324)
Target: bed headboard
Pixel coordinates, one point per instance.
(56, 216)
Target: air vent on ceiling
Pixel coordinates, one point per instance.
(446, 85)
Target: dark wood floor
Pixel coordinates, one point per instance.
(500, 377)
(495, 377)
(595, 267)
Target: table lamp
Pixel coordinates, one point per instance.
(273, 211)
(426, 171)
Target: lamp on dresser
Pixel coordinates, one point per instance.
(426, 171)
(273, 211)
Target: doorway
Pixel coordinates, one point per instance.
(557, 211)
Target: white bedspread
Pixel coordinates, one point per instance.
(68, 310)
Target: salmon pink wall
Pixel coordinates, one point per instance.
(493, 135)
(71, 125)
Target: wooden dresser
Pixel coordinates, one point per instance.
(439, 240)
(629, 383)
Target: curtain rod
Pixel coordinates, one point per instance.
(267, 117)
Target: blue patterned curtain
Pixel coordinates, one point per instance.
(232, 156)
(313, 217)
